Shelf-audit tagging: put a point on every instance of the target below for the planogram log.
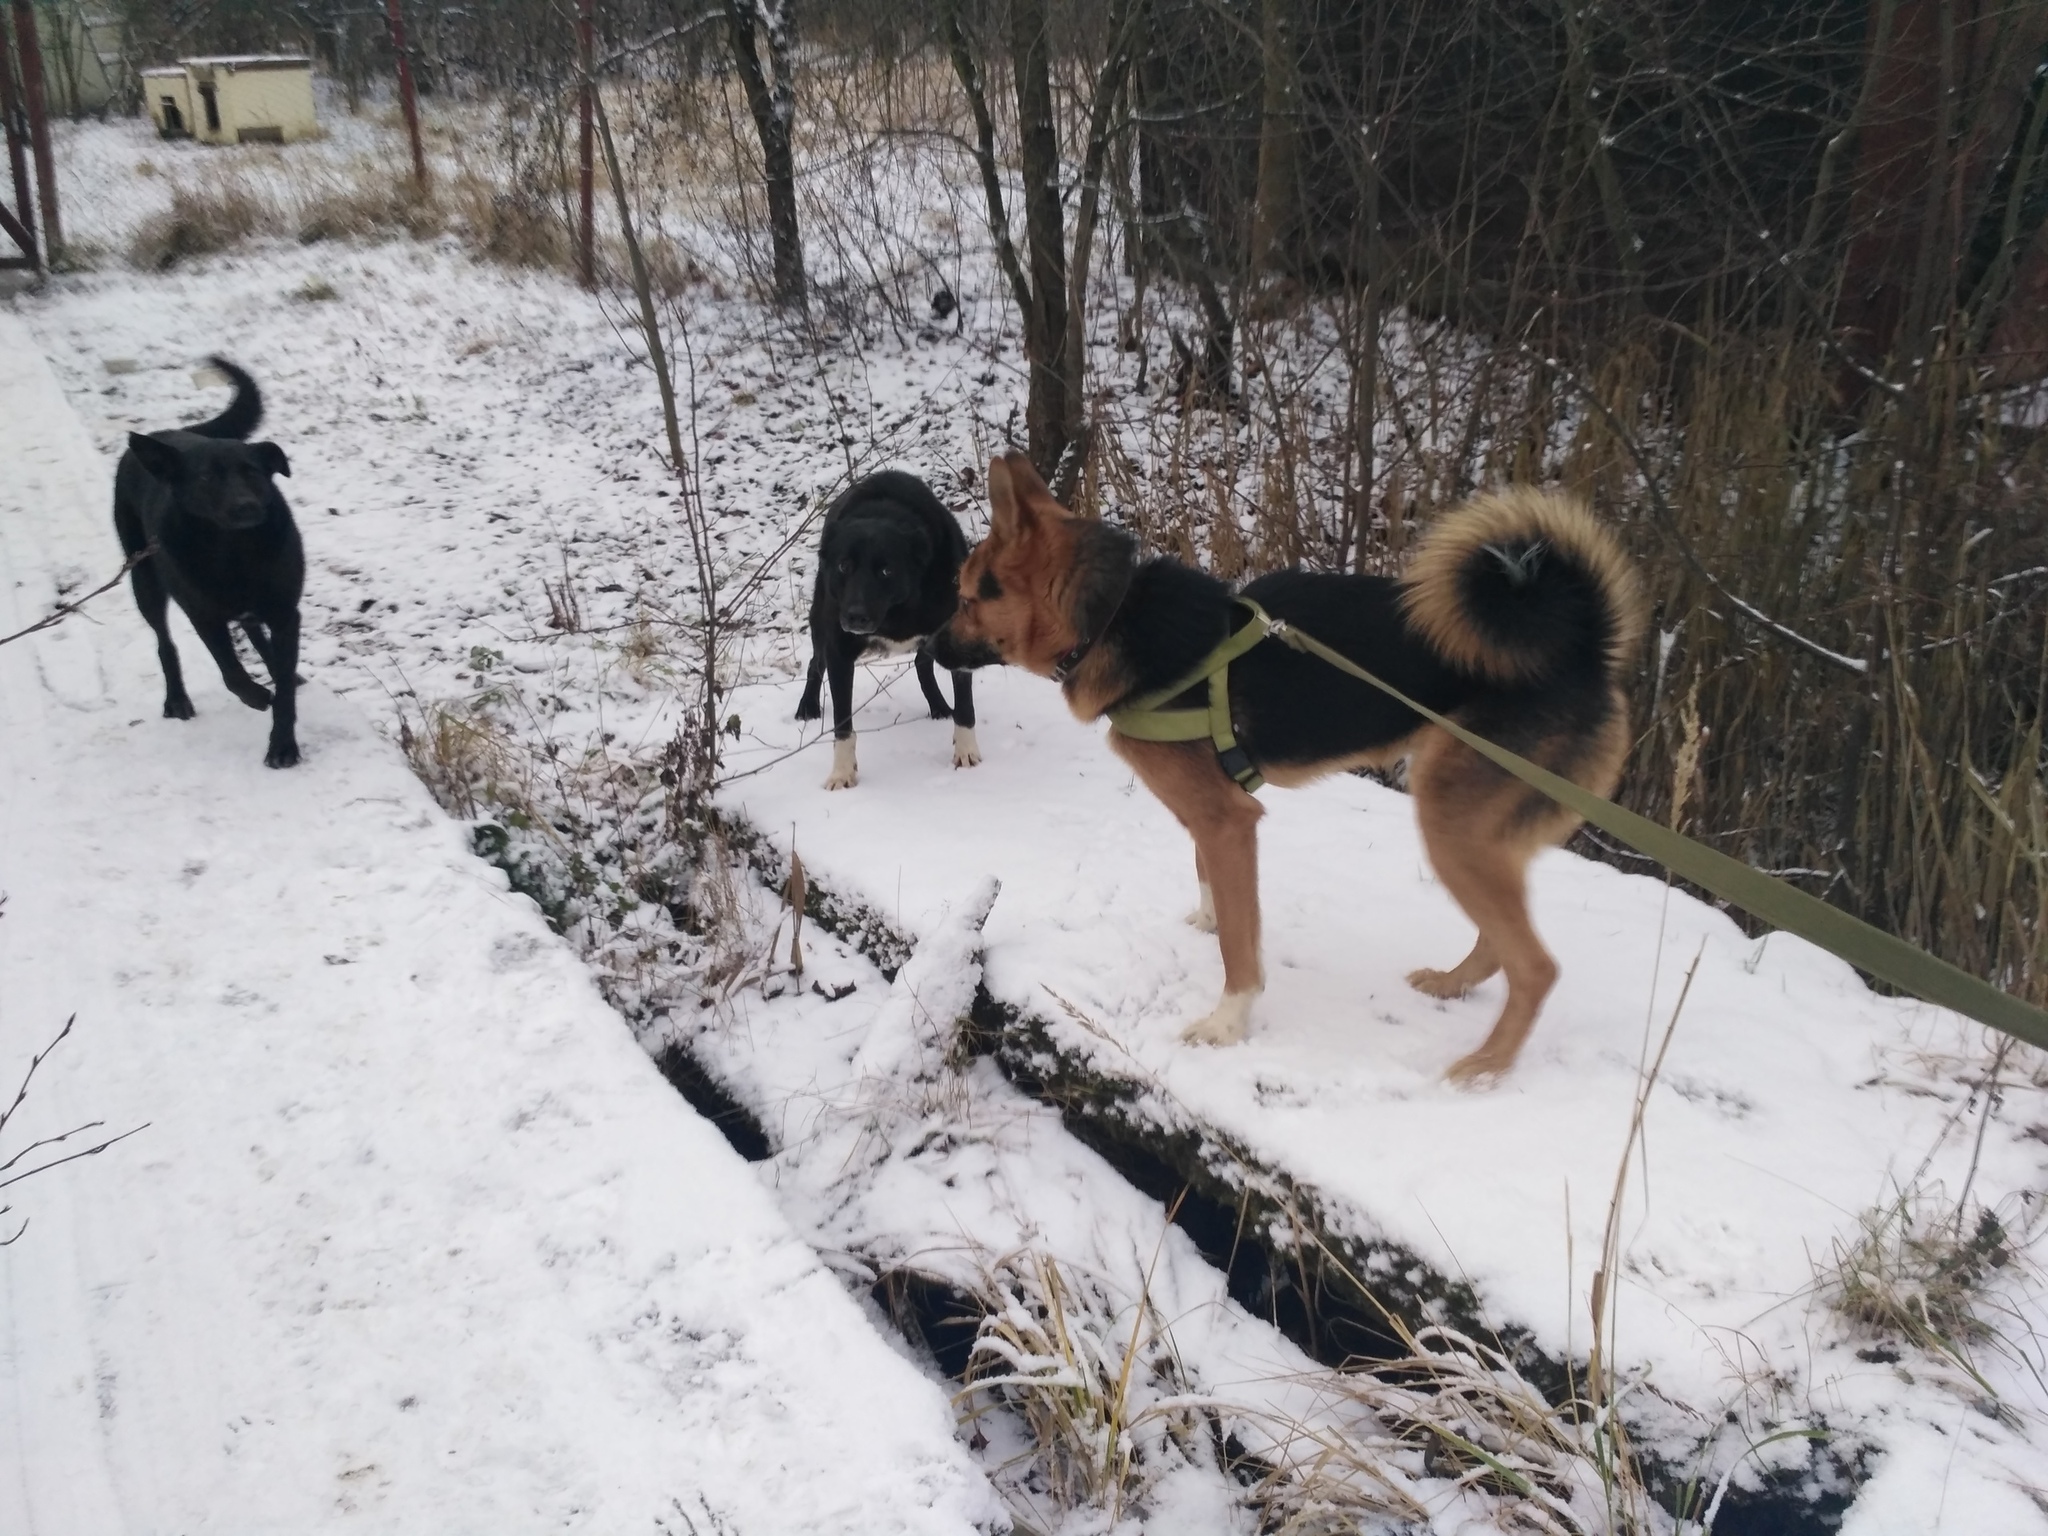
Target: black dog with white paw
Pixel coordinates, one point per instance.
(888, 567)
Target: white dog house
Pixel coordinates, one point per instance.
(250, 98)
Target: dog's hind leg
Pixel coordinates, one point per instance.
(966, 749)
(807, 707)
(214, 635)
(928, 683)
(1204, 915)
(1480, 844)
(1460, 978)
(260, 638)
(154, 603)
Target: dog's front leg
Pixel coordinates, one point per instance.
(153, 601)
(214, 635)
(282, 657)
(1227, 851)
(839, 672)
(966, 750)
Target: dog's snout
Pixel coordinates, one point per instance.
(948, 651)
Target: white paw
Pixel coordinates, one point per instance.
(966, 750)
(1226, 1024)
(845, 773)
(1204, 916)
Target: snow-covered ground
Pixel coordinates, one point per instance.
(415, 1238)
(463, 438)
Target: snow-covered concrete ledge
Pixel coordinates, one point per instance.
(1793, 1099)
(416, 1238)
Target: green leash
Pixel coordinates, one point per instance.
(1763, 896)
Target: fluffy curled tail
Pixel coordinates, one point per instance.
(1522, 586)
(244, 413)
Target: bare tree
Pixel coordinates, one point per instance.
(1051, 294)
(771, 98)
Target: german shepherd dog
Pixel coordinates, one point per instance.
(221, 541)
(1516, 618)
(888, 562)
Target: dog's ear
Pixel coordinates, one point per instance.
(163, 462)
(1034, 497)
(271, 459)
(1004, 509)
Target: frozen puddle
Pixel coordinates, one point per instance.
(416, 1239)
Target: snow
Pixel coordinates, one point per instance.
(461, 435)
(1792, 1097)
(415, 1237)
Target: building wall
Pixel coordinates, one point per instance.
(266, 98)
(156, 87)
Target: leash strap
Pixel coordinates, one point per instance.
(1763, 896)
(1771, 900)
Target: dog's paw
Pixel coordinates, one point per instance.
(179, 708)
(941, 710)
(1204, 916)
(966, 750)
(1225, 1024)
(257, 698)
(807, 709)
(1443, 984)
(282, 754)
(845, 771)
(1481, 1069)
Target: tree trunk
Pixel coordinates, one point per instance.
(1276, 219)
(772, 101)
(1052, 410)
(1947, 82)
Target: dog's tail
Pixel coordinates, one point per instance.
(244, 413)
(1523, 585)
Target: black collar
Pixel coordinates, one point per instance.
(1074, 655)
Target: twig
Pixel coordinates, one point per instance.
(21, 1094)
(64, 611)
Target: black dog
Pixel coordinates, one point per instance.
(888, 563)
(221, 541)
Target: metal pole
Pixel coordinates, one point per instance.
(38, 127)
(24, 231)
(586, 266)
(405, 95)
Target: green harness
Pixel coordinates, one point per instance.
(1148, 719)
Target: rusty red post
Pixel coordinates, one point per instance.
(586, 265)
(38, 126)
(405, 95)
(23, 230)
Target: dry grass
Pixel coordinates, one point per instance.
(1936, 1274)
(1084, 1375)
(370, 203)
(468, 760)
(201, 221)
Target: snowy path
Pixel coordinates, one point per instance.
(416, 1238)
